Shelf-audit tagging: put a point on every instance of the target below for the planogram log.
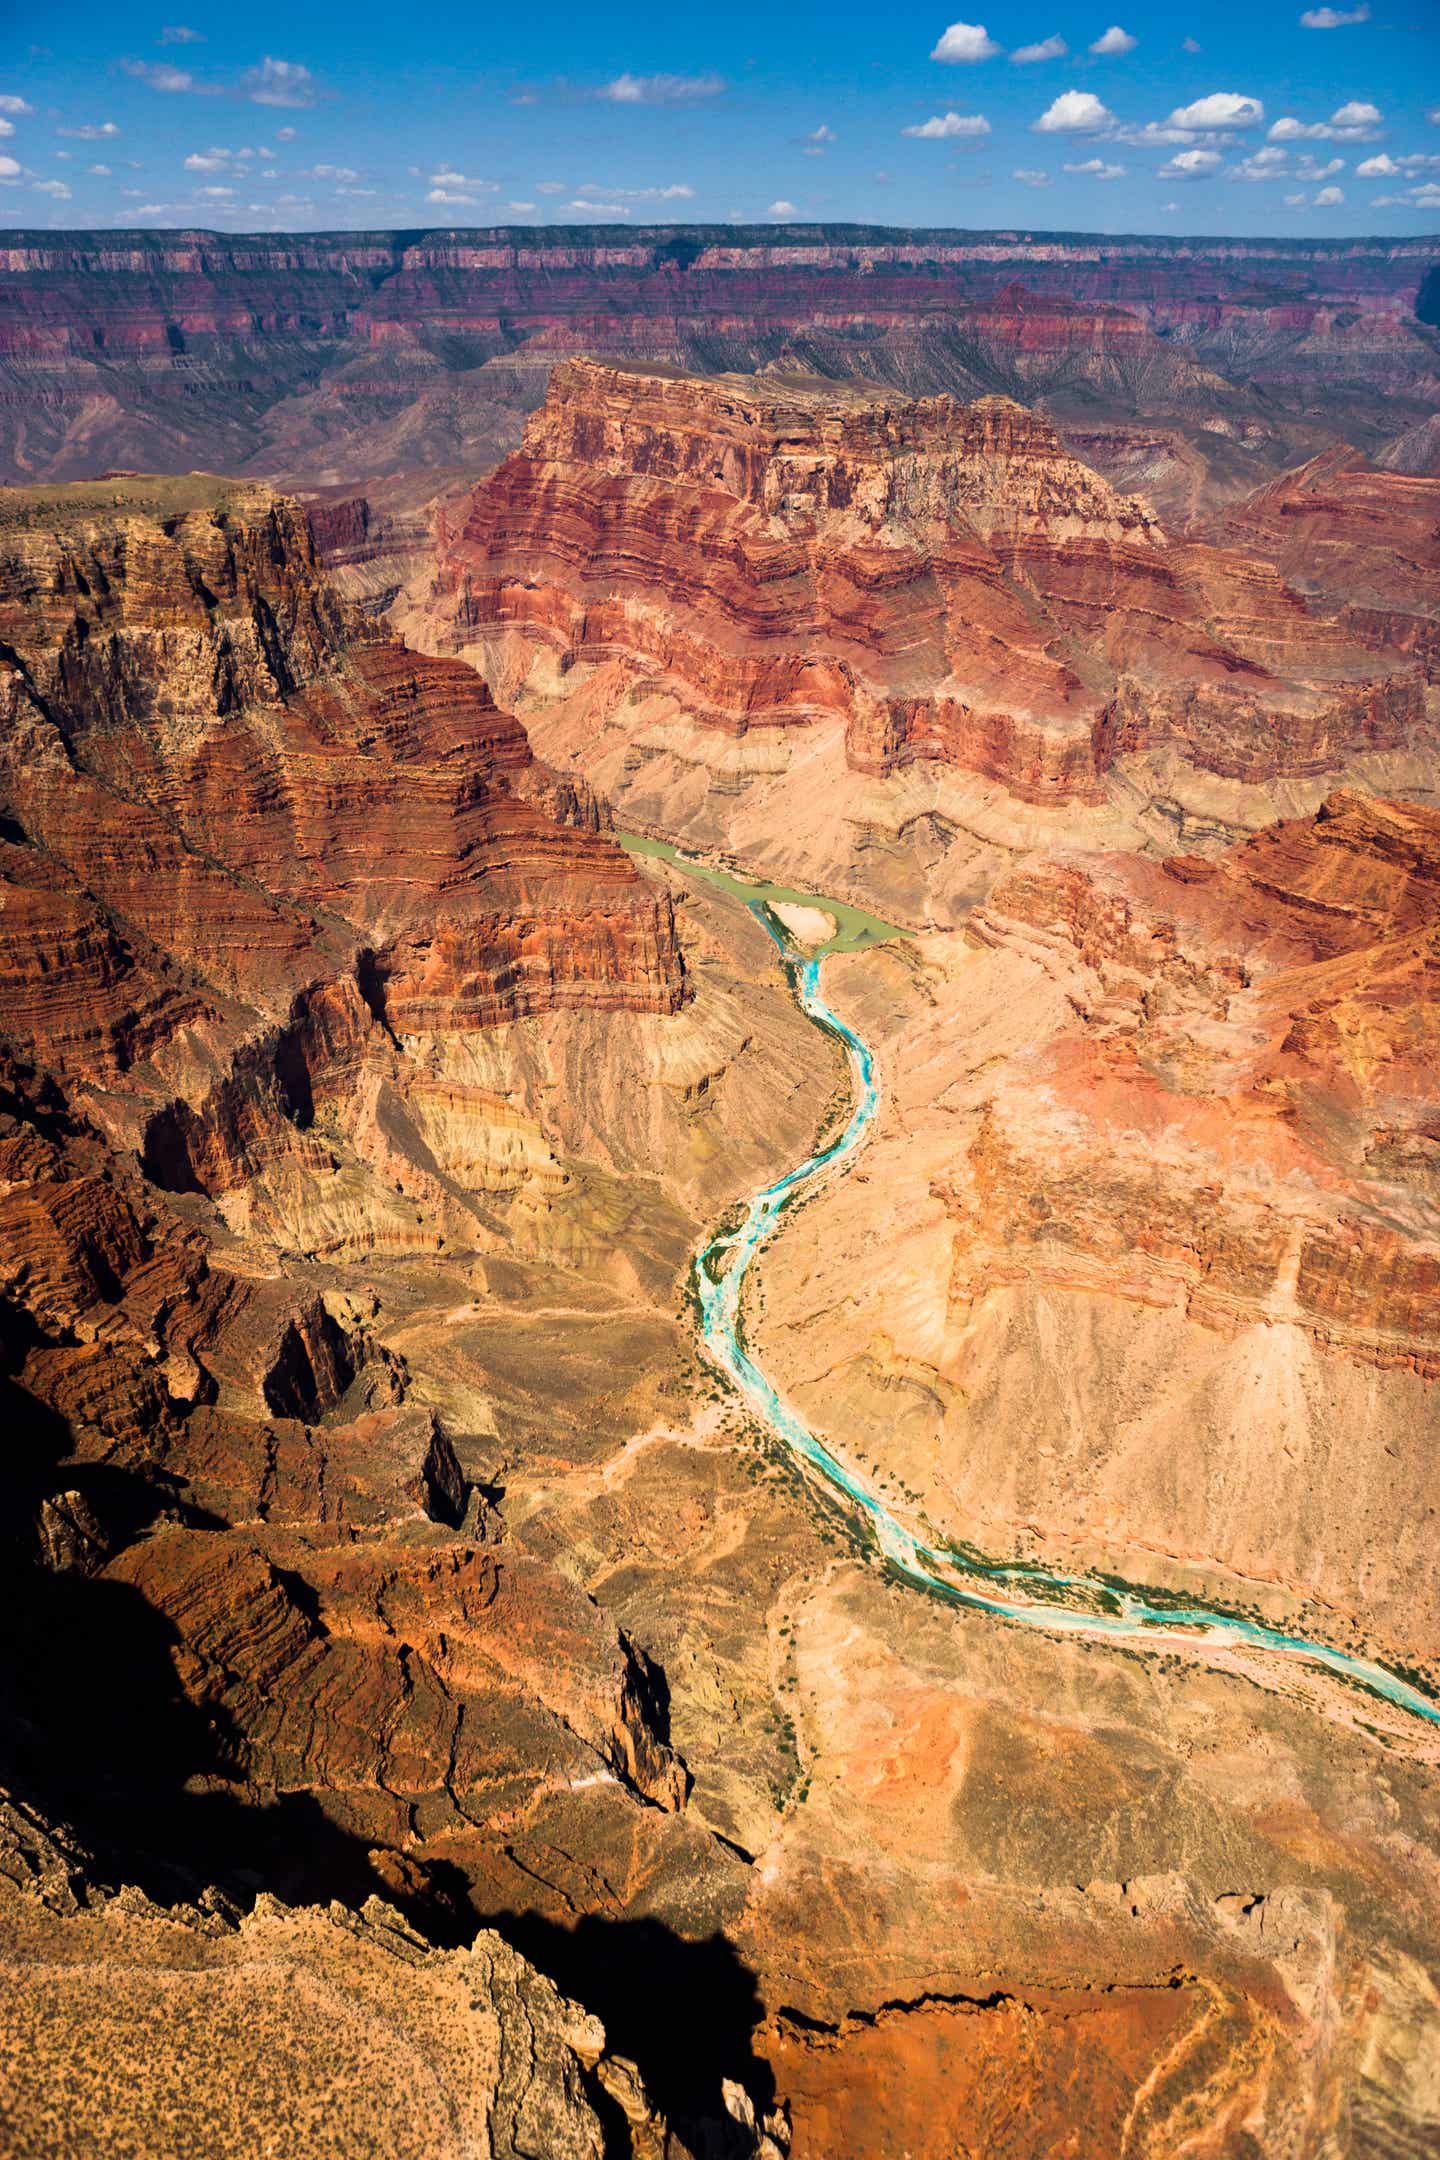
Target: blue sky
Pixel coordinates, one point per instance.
(1204, 118)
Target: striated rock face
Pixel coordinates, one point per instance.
(1269, 1022)
(944, 579)
(252, 851)
(341, 355)
(182, 684)
(1365, 539)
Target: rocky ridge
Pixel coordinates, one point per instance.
(336, 357)
(942, 582)
(266, 876)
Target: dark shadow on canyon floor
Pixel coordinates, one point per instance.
(96, 1731)
(684, 2012)
(98, 1735)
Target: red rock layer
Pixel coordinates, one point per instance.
(248, 844)
(329, 1592)
(943, 576)
(1239, 1121)
(1365, 538)
(251, 782)
(377, 353)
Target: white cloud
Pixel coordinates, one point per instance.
(550, 187)
(1190, 45)
(285, 134)
(11, 104)
(676, 192)
(1221, 109)
(1155, 135)
(1329, 18)
(9, 169)
(944, 127)
(782, 209)
(964, 42)
(1328, 197)
(1030, 176)
(1169, 206)
(1295, 202)
(57, 188)
(1377, 168)
(1114, 40)
(447, 177)
(343, 172)
(1274, 164)
(818, 141)
(160, 75)
(1356, 121)
(520, 206)
(1423, 197)
(1050, 48)
(181, 34)
(214, 160)
(1096, 169)
(599, 209)
(1191, 165)
(216, 194)
(99, 172)
(1075, 112)
(1269, 164)
(279, 82)
(104, 132)
(660, 89)
(442, 195)
(7, 127)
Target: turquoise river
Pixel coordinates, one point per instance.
(1023, 1593)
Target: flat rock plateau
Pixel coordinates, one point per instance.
(419, 1670)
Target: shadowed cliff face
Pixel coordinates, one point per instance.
(263, 871)
(250, 849)
(345, 355)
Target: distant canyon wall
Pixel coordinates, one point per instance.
(330, 356)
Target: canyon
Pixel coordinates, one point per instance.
(420, 1661)
(1192, 368)
(928, 616)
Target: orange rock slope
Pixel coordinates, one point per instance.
(1242, 1122)
(249, 850)
(1367, 540)
(944, 577)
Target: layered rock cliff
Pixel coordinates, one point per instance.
(1269, 1019)
(337, 356)
(943, 580)
(1160, 1186)
(265, 875)
(1365, 538)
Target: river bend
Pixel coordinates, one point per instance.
(1022, 1593)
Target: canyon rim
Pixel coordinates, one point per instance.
(719, 1144)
